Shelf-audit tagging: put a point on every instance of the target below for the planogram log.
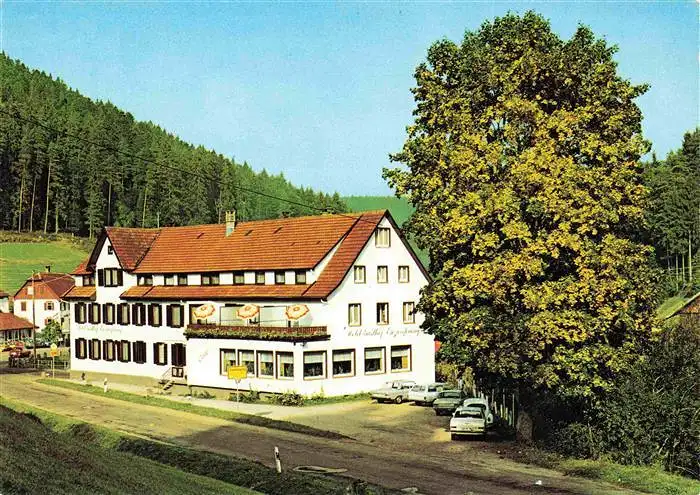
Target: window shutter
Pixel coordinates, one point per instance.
(134, 314)
(165, 354)
(101, 277)
(169, 315)
(120, 278)
(155, 353)
(104, 313)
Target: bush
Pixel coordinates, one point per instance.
(204, 394)
(246, 397)
(288, 399)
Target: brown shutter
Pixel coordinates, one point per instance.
(120, 278)
(101, 277)
(169, 315)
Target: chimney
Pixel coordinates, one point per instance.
(48, 268)
(230, 222)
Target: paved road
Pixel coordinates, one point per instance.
(391, 467)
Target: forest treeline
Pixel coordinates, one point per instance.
(52, 180)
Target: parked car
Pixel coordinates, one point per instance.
(447, 401)
(467, 421)
(479, 403)
(395, 391)
(425, 394)
(19, 352)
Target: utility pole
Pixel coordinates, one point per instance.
(33, 318)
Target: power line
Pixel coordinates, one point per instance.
(206, 177)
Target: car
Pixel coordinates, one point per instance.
(483, 404)
(425, 394)
(19, 352)
(467, 421)
(447, 401)
(395, 391)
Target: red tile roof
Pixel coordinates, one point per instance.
(82, 268)
(286, 243)
(215, 292)
(9, 321)
(131, 245)
(86, 292)
(46, 286)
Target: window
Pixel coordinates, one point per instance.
(354, 315)
(300, 277)
(80, 348)
(315, 364)
(382, 313)
(109, 277)
(169, 280)
(344, 363)
(285, 365)
(280, 278)
(404, 274)
(179, 358)
(144, 279)
(266, 367)
(382, 274)
(110, 250)
(88, 280)
(123, 351)
(139, 352)
(173, 314)
(155, 316)
(210, 279)
(108, 313)
(359, 274)
(227, 359)
(94, 315)
(80, 312)
(374, 360)
(260, 278)
(94, 349)
(238, 278)
(48, 306)
(247, 358)
(382, 237)
(401, 358)
(409, 312)
(108, 350)
(138, 314)
(47, 321)
(23, 306)
(123, 314)
(182, 280)
(160, 353)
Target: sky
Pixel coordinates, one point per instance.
(320, 90)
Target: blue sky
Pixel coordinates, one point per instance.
(320, 90)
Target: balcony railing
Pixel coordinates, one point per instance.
(286, 334)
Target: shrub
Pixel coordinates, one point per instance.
(246, 397)
(290, 398)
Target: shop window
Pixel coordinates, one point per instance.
(374, 360)
(80, 348)
(160, 353)
(266, 368)
(401, 358)
(343, 363)
(382, 313)
(285, 364)
(354, 315)
(179, 356)
(382, 274)
(227, 359)
(314, 365)
(247, 359)
(404, 274)
(139, 352)
(409, 312)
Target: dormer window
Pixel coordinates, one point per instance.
(169, 280)
(144, 280)
(260, 278)
(300, 277)
(210, 279)
(109, 277)
(88, 280)
(238, 278)
(280, 278)
(382, 237)
(182, 280)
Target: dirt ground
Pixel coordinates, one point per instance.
(399, 447)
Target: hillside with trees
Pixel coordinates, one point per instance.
(71, 164)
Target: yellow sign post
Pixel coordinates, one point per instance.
(53, 352)
(237, 373)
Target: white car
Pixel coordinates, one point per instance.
(467, 421)
(425, 394)
(395, 391)
(478, 403)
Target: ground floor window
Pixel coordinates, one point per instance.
(80, 348)
(374, 360)
(315, 364)
(139, 352)
(123, 351)
(285, 364)
(179, 357)
(160, 353)
(227, 359)
(401, 358)
(344, 362)
(94, 349)
(108, 350)
(247, 358)
(266, 366)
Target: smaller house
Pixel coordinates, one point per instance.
(4, 302)
(39, 299)
(14, 328)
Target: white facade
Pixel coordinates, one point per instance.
(44, 310)
(353, 357)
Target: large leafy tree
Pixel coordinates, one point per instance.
(523, 167)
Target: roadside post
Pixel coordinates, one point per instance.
(278, 462)
(53, 352)
(237, 373)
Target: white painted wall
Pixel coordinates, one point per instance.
(41, 313)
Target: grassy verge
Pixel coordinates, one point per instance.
(38, 459)
(248, 419)
(235, 471)
(315, 400)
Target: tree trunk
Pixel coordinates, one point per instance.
(48, 190)
(21, 201)
(524, 427)
(145, 198)
(31, 211)
(109, 203)
(55, 204)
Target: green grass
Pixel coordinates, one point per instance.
(38, 459)
(18, 259)
(233, 470)
(248, 419)
(670, 306)
(316, 400)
